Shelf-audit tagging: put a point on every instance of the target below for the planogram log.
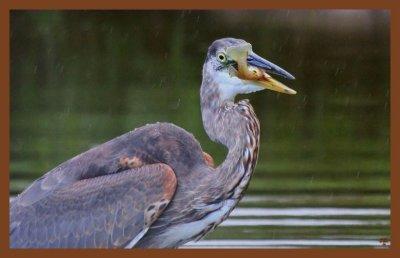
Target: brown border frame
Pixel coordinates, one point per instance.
(7, 5)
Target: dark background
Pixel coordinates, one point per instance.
(81, 78)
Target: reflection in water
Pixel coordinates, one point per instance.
(302, 222)
(81, 78)
(282, 243)
(308, 212)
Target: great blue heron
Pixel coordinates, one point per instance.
(154, 187)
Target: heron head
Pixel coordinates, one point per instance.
(236, 69)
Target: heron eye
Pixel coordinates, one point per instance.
(221, 57)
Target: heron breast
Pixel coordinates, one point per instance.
(187, 232)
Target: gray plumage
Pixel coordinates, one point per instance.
(149, 188)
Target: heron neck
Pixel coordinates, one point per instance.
(236, 126)
(225, 121)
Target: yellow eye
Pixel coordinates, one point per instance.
(221, 57)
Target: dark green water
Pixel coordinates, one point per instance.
(81, 78)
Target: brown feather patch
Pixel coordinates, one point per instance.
(133, 162)
(208, 159)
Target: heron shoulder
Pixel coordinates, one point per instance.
(167, 143)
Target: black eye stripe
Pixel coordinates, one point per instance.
(234, 64)
(220, 67)
(226, 64)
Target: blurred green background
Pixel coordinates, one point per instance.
(80, 78)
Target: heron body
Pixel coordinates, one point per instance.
(153, 187)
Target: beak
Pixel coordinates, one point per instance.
(255, 60)
(254, 68)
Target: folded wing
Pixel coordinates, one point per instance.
(109, 211)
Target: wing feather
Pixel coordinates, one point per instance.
(110, 211)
